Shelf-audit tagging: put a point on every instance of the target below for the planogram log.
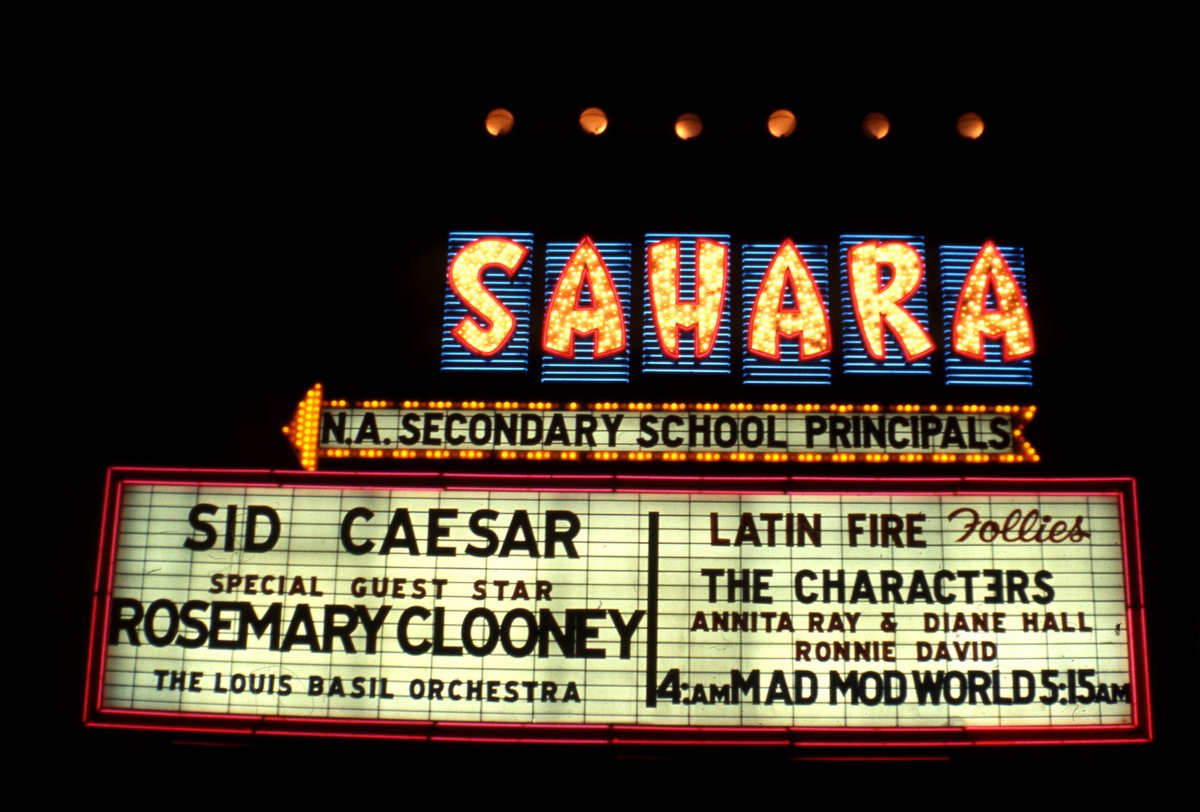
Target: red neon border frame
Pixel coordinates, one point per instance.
(1124, 489)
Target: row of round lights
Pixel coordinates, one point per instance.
(313, 403)
(780, 124)
(681, 456)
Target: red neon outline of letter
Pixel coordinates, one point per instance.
(883, 306)
(465, 277)
(585, 268)
(1010, 321)
(781, 274)
(671, 314)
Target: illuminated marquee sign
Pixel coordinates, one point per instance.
(772, 610)
(672, 432)
(786, 335)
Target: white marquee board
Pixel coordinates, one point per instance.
(851, 610)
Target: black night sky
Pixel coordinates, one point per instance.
(249, 228)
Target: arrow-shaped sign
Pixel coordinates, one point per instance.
(671, 432)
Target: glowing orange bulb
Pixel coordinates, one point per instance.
(782, 123)
(499, 122)
(688, 126)
(970, 126)
(593, 121)
(876, 125)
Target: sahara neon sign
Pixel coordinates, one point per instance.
(589, 310)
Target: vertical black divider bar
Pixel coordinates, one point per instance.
(652, 612)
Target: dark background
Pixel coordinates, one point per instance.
(251, 222)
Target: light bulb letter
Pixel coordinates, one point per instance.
(493, 324)
(1009, 320)
(806, 319)
(567, 318)
(877, 305)
(701, 315)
